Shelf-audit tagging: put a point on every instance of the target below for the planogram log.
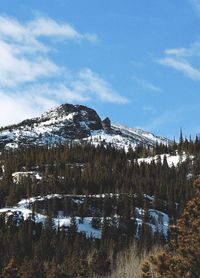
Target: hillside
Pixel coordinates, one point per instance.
(74, 123)
(60, 202)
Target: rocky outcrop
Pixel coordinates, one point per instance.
(65, 122)
(106, 123)
(77, 123)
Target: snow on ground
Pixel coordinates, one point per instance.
(57, 126)
(116, 140)
(87, 228)
(189, 176)
(26, 213)
(17, 176)
(123, 137)
(11, 146)
(172, 160)
(56, 120)
(26, 203)
(139, 133)
(24, 209)
(6, 134)
(158, 221)
(44, 132)
(83, 225)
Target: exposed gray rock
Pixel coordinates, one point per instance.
(77, 123)
(106, 123)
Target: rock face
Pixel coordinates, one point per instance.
(106, 123)
(77, 123)
(72, 121)
(66, 122)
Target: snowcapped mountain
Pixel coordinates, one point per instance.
(77, 123)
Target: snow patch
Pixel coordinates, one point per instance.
(172, 160)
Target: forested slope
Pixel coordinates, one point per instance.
(121, 198)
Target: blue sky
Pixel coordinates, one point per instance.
(136, 61)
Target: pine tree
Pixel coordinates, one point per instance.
(73, 228)
(182, 258)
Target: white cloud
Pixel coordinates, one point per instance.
(15, 108)
(32, 100)
(146, 85)
(22, 54)
(18, 69)
(46, 96)
(10, 28)
(192, 50)
(182, 66)
(48, 27)
(31, 82)
(92, 83)
(181, 59)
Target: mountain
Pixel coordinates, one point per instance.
(76, 123)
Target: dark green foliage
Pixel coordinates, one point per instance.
(88, 170)
(28, 249)
(181, 258)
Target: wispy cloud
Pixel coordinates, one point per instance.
(91, 83)
(10, 28)
(17, 68)
(146, 85)
(170, 116)
(183, 52)
(23, 55)
(196, 4)
(31, 81)
(83, 86)
(182, 66)
(180, 59)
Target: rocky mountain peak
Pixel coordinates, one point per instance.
(78, 115)
(78, 123)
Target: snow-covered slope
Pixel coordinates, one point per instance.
(140, 135)
(75, 123)
(158, 220)
(172, 160)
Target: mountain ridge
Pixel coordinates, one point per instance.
(74, 123)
